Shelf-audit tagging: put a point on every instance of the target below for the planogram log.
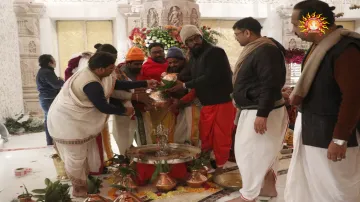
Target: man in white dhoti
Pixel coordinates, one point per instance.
(78, 115)
(325, 166)
(258, 79)
(125, 129)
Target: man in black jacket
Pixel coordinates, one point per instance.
(48, 85)
(258, 79)
(211, 79)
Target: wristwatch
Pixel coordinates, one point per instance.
(339, 142)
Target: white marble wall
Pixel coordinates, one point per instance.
(11, 97)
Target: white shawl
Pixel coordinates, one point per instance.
(72, 116)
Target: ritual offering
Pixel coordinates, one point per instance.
(93, 185)
(125, 194)
(172, 153)
(197, 179)
(159, 95)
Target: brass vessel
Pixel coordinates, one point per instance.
(204, 170)
(96, 198)
(196, 179)
(128, 182)
(25, 198)
(60, 167)
(126, 196)
(165, 182)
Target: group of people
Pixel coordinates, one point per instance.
(209, 102)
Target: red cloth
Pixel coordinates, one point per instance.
(101, 152)
(152, 70)
(73, 63)
(189, 97)
(216, 126)
(145, 172)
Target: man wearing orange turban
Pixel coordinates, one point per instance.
(125, 129)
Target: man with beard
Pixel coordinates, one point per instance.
(211, 79)
(156, 64)
(325, 164)
(139, 126)
(258, 80)
(186, 111)
(153, 68)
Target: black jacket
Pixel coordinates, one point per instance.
(261, 78)
(48, 84)
(321, 106)
(211, 75)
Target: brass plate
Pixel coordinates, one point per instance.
(178, 153)
(230, 180)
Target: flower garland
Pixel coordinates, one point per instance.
(168, 35)
(294, 56)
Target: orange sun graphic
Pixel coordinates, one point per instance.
(313, 24)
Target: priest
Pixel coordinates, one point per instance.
(78, 115)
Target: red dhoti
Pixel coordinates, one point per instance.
(216, 126)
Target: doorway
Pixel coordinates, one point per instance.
(75, 37)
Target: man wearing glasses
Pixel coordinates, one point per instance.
(211, 78)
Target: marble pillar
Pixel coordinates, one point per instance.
(11, 98)
(28, 14)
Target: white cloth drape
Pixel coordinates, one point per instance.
(314, 178)
(256, 154)
(183, 125)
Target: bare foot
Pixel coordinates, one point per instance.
(79, 192)
(239, 199)
(269, 188)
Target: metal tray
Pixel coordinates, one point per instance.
(178, 153)
(229, 180)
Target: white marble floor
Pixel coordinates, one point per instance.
(30, 151)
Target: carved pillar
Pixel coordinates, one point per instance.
(169, 12)
(28, 15)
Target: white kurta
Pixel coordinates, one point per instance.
(256, 154)
(314, 178)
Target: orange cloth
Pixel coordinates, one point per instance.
(135, 54)
(216, 127)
